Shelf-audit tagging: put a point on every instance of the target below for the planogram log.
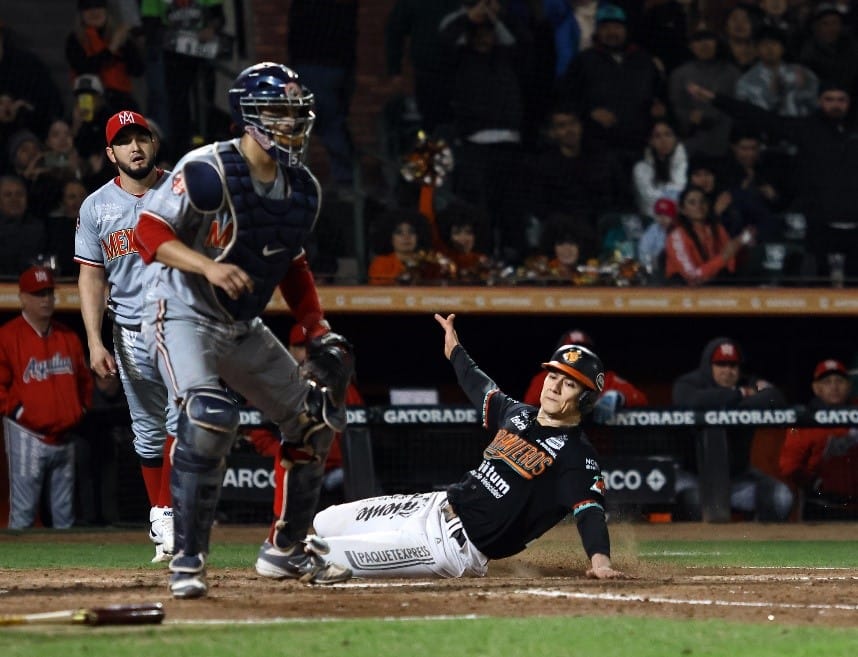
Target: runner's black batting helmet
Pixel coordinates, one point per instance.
(585, 367)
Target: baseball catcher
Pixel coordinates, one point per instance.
(226, 229)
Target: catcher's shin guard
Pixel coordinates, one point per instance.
(305, 465)
(195, 486)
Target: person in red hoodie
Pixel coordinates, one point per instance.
(45, 389)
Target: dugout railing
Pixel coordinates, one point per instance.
(407, 449)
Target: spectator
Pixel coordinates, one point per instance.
(322, 44)
(402, 238)
(719, 383)
(775, 85)
(45, 389)
(61, 225)
(754, 188)
(831, 51)
(780, 15)
(739, 34)
(62, 161)
(664, 32)
(488, 49)
(824, 176)
(190, 35)
(29, 99)
(663, 169)
(89, 116)
(572, 174)
(463, 227)
(22, 236)
(698, 249)
(617, 393)
(25, 156)
(100, 46)
(822, 462)
(416, 22)
(652, 241)
(573, 23)
(704, 129)
(617, 86)
(568, 243)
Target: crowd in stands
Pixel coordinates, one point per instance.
(583, 113)
(572, 118)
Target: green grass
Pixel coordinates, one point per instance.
(535, 637)
(56, 554)
(777, 554)
(489, 637)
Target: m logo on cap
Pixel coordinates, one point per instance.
(41, 276)
(126, 117)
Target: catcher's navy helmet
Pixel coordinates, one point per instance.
(268, 101)
(585, 367)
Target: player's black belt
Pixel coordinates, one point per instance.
(450, 515)
(131, 327)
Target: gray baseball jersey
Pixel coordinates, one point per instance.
(104, 239)
(190, 331)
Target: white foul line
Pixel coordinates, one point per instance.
(617, 597)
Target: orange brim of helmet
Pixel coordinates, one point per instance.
(571, 372)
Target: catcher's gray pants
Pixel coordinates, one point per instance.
(32, 463)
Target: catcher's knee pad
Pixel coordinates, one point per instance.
(313, 447)
(208, 422)
(321, 409)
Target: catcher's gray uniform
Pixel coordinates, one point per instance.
(200, 337)
(104, 239)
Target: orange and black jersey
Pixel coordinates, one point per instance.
(530, 478)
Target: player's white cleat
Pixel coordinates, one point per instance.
(161, 532)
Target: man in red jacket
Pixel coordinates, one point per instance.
(45, 388)
(822, 461)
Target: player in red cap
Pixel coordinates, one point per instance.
(45, 388)
(822, 462)
(110, 280)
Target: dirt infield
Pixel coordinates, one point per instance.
(540, 581)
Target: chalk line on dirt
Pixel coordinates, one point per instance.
(620, 597)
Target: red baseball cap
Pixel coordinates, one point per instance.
(829, 367)
(726, 352)
(575, 336)
(297, 336)
(36, 279)
(122, 120)
(665, 206)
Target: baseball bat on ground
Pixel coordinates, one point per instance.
(138, 614)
